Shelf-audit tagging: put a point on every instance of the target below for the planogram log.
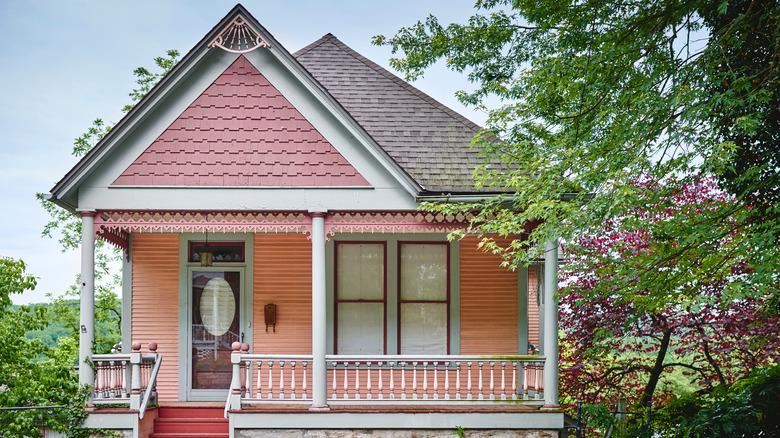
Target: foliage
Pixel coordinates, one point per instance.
(68, 226)
(749, 407)
(634, 311)
(24, 381)
(592, 94)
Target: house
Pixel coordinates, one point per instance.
(277, 265)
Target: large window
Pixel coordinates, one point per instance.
(412, 312)
(423, 298)
(360, 298)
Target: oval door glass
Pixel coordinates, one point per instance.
(215, 326)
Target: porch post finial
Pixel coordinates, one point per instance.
(87, 297)
(551, 324)
(318, 317)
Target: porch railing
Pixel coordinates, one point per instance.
(127, 378)
(394, 379)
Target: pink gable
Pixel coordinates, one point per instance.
(241, 132)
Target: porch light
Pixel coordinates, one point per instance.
(205, 253)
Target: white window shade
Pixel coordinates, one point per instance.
(424, 272)
(361, 272)
(360, 328)
(424, 328)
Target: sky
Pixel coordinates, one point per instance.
(65, 63)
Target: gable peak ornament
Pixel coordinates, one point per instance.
(239, 37)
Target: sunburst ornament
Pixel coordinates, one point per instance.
(239, 37)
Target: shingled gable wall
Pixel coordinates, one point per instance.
(241, 131)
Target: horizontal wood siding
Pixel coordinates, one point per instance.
(533, 307)
(155, 314)
(282, 276)
(488, 302)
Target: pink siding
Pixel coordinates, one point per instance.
(241, 132)
(533, 307)
(155, 314)
(488, 302)
(282, 276)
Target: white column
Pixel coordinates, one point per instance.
(551, 324)
(87, 299)
(318, 308)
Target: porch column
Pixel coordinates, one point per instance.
(87, 298)
(551, 324)
(318, 309)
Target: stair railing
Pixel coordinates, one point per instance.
(127, 378)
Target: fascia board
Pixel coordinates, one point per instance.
(332, 105)
(65, 187)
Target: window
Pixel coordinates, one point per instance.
(409, 314)
(423, 298)
(360, 298)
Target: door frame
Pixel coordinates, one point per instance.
(246, 306)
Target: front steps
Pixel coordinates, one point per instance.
(190, 421)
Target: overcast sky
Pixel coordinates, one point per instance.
(65, 63)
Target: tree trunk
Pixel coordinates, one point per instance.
(655, 373)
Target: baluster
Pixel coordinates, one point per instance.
(335, 395)
(305, 383)
(468, 381)
(479, 364)
(392, 380)
(281, 379)
(457, 381)
(514, 381)
(368, 381)
(115, 376)
(403, 380)
(436, 380)
(380, 384)
(540, 380)
(346, 381)
(425, 380)
(446, 380)
(414, 380)
(270, 379)
(292, 380)
(357, 380)
(259, 380)
(503, 380)
(492, 386)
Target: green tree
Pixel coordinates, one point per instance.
(67, 227)
(593, 93)
(25, 381)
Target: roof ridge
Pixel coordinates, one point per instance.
(395, 79)
(327, 37)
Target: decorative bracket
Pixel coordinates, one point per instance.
(239, 37)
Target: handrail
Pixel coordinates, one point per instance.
(128, 378)
(385, 379)
(156, 360)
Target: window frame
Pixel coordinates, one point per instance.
(337, 301)
(401, 301)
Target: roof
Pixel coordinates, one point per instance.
(422, 143)
(430, 141)
(241, 132)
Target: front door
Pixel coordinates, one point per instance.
(215, 324)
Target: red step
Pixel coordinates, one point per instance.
(194, 421)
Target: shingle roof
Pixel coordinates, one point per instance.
(241, 132)
(428, 140)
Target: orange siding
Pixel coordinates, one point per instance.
(488, 302)
(533, 307)
(155, 314)
(282, 275)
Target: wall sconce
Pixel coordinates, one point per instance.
(270, 316)
(205, 253)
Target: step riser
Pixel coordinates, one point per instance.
(191, 413)
(190, 428)
(186, 422)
